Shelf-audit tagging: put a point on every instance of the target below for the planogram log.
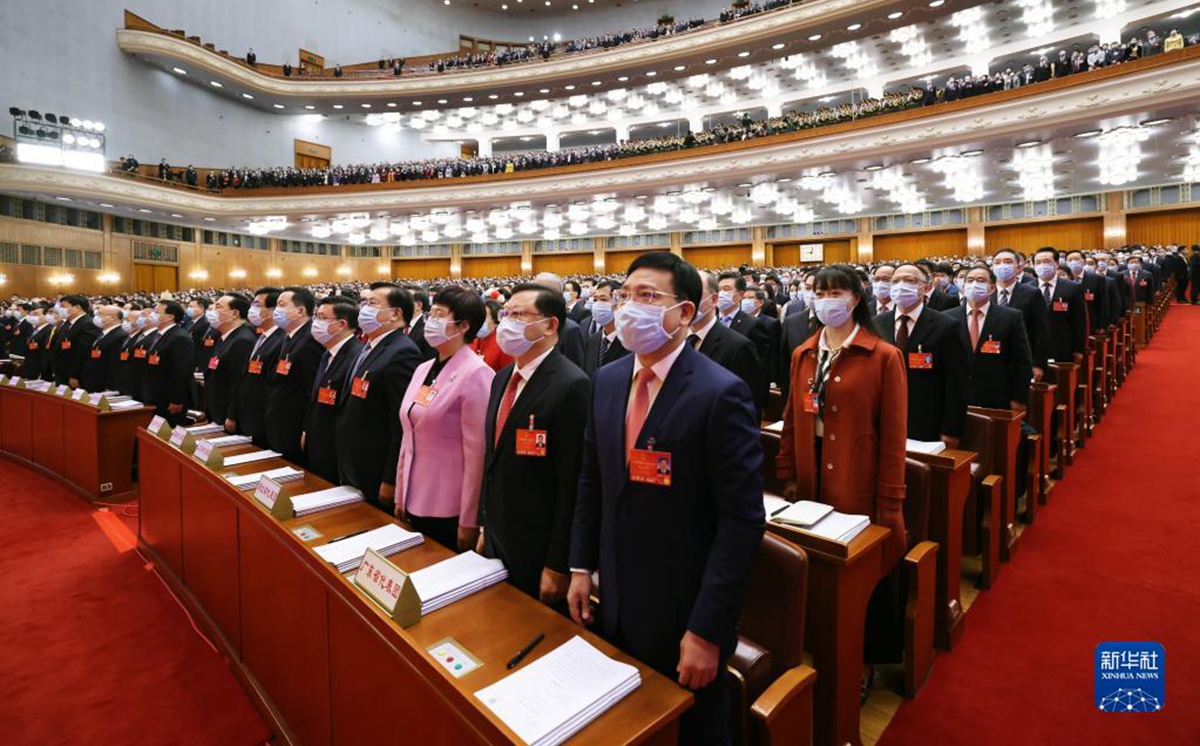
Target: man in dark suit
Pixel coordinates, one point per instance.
(731, 289)
(935, 297)
(368, 425)
(571, 340)
(1011, 292)
(248, 409)
(753, 303)
(129, 368)
(167, 381)
(100, 367)
(672, 598)
(527, 500)
(718, 343)
(290, 382)
(934, 359)
(1117, 301)
(226, 367)
(37, 356)
(416, 327)
(1095, 293)
(18, 342)
(1136, 284)
(203, 337)
(1066, 320)
(1001, 362)
(577, 308)
(73, 342)
(602, 347)
(334, 327)
(881, 287)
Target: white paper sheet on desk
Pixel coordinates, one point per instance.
(347, 554)
(314, 502)
(931, 447)
(230, 440)
(802, 513)
(126, 404)
(775, 427)
(839, 527)
(555, 696)
(248, 481)
(205, 429)
(455, 578)
(246, 458)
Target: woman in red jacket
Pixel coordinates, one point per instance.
(485, 341)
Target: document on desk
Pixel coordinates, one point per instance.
(930, 447)
(208, 429)
(455, 578)
(347, 553)
(126, 404)
(246, 458)
(775, 427)
(555, 696)
(230, 440)
(314, 502)
(250, 481)
(802, 513)
(839, 527)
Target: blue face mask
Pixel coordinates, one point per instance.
(883, 289)
(833, 311)
(640, 327)
(976, 291)
(368, 319)
(906, 293)
(602, 312)
(1005, 272)
(281, 317)
(1076, 266)
(141, 322)
(1046, 270)
(748, 306)
(725, 301)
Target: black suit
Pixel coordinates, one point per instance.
(329, 392)
(736, 354)
(37, 356)
(1066, 322)
(71, 348)
(571, 342)
(18, 342)
(1001, 367)
(1142, 289)
(1095, 299)
(591, 353)
(527, 502)
(289, 386)
(937, 402)
(205, 339)
(129, 368)
(416, 333)
(773, 363)
(796, 328)
(1116, 301)
(100, 367)
(248, 408)
(168, 373)
(579, 313)
(1026, 299)
(939, 300)
(221, 382)
(367, 459)
(757, 332)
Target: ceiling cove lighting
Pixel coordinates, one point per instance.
(1121, 154)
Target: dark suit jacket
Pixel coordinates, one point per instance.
(579, 314)
(1066, 322)
(795, 329)
(772, 326)
(18, 342)
(417, 334)
(527, 502)
(1143, 288)
(129, 368)
(736, 354)
(937, 402)
(758, 333)
(571, 342)
(1095, 300)
(289, 389)
(37, 356)
(220, 383)
(205, 339)
(1026, 299)
(996, 379)
(704, 416)
(71, 348)
(591, 353)
(940, 300)
(320, 424)
(248, 408)
(367, 459)
(168, 373)
(100, 373)
(1116, 301)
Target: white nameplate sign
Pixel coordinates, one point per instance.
(15, 381)
(158, 426)
(268, 495)
(62, 390)
(182, 439)
(390, 587)
(78, 394)
(208, 454)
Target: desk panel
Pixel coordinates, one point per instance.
(18, 423)
(47, 427)
(209, 546)
(159, 502)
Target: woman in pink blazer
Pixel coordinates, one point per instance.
(440, 469)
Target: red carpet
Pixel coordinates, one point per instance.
(93, 649)
(1112, 558)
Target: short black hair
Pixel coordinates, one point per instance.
(740, 281)
(302, 296)
(922, 268)
(610, 284)
(344, 309)
(237, 302)
(272, 294)
(568, 285)
(981, 265)
(136, 307)
(173, 308)
(684, 278)
(493, 307)
(419, 295)
(943, 268)
(203, 301)
(1053, 252)
(27, 307)
(1015, 255)
(398, 297)
(1076, 251)
(464, 306)
(78, 300)
(547, 302)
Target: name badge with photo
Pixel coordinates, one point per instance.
(920, 361)
(531, 442)
(255, 367)
(359, 387)
(154, 358)
(327, 396)
(213, 362)
(95, 353)
(425, 395)
(1060, 305)
(209, 342)
(812, 402)
(66, 344)
(648, 466)
(283, 367)
(140, 353)
(990, 347)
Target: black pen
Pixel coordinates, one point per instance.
(347, 536)
(777, 512)
(516, 659)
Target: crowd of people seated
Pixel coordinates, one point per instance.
(389, 387)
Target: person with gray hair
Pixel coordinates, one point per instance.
(570, 342)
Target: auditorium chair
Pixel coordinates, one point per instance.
(984, 526)
(1065, 377)
(1039, 415)
(1099, 383)
(919, 578)
(771, 690)
(775, 404)
(772, 485)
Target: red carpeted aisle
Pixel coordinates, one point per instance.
(93, 649)
(1113, 558)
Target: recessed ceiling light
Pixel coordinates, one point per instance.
(176, 215)
(680, 68)
(937, 3)
(827, 173)
(596, 83)
(543, 90)
(745, 185)
(519, 94)
(894, 16)
(278, 106)
(64, 199)
(784, 180)
(919, 161)
(780, 45)
(468, 99)
(105, 204)
(365, 106)
(854, 27)
(972, 152)
(1029, 143)
(623, 78)
(210, 220)
(215, 84)
(493, 96)
(247, 96)
(651, 74)
(710, 62)
(179, 70)
(1087, 133)
(569, 87)
(1155, 122)
(743, 54)
(815, 37)
(875, 167)
(143, 209)
(441, 100)
(338, 106)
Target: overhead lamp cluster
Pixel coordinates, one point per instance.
(48, 139)
(1121, 154)
(269, 224)
(1035, 171)
(973, 31)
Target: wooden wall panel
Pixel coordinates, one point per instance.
(1172, 226)
(618, 261)
(420, 269)
(564, 264)
(921, 244)
(718, 257)
(491, 266)
(837, 251)
(1064, 235)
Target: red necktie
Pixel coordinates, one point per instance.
(902, 333)
(506, 403)
(975, 314)
(639, 404)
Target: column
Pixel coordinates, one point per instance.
(622, 131)
(527, 257)
(695, 123)
(775, 108)
(598, 254)
(1114, 220)
(552, 139)
(976, 240)
(981, 66)
(758, 247)
(866, 241)
(456, 253)
(676, 243)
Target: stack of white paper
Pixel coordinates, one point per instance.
(250, 481)
(314, 502)
(246, 458)
(119, 397)
(347, 553)
(555, 696)
(456, 578)
(208, 429)
(230, 440)
(931, 447)
(839, 527)
(775, 427)
(38, 385)
(125, 403)
(802, 513)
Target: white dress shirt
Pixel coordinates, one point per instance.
(661, 369)
(526, 372)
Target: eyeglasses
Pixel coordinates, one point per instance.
(523, 316)
(642, 295)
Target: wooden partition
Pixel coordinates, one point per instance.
(618, 261)
(153, 278)
(837, 251)
(920, 244)
(491, 266)
(717, 257)
(1166, 227)
(564, 264)
(421, 269)
(1064, 235)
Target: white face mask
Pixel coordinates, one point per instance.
(510, 335)
(725, 301)
(435, 332)
(320, 331)
(602, 312)
(640, 327)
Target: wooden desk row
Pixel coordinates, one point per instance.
(323, 663)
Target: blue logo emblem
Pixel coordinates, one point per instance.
(1131, 677)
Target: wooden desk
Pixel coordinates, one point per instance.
(321, 661)
(948, 490)
(1041, 408)
(841, 578)
(89, 451)
(1006, 439)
